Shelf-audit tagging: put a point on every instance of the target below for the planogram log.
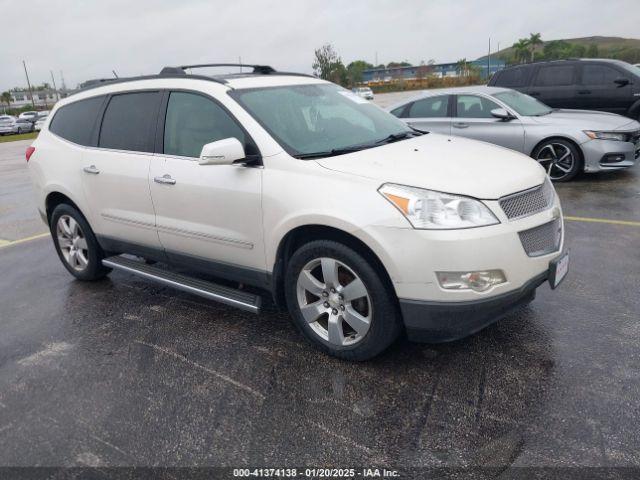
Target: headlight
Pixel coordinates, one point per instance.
(621, 137)
(426, 209)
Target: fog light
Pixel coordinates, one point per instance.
(477, 281)
(613, 158)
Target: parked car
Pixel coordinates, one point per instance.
(43, 113)
(360, 226)
(23, 125)
(565, 142)
(364, 92)
(39, 123)
(6, 124)
(587, 84)
(28, 115)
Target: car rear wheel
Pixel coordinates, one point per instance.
(76, 244)
(340, 302)
(560, 158)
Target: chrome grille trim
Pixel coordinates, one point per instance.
(529, 202)
(543, 239)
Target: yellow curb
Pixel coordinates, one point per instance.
(6, 243)
(627, 223)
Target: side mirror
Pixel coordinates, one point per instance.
(502, 114)
(621, 82)
(222, 152)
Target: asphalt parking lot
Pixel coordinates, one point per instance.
(125, 372)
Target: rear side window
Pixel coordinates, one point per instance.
(512, 77)
(599, 75)
(193, 121)
(429, 107)
(129, 122)
(555, 76)
(75, 122)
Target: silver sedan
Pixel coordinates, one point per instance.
(565, 142)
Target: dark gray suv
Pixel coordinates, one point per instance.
(587, 84)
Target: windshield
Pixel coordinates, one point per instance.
(320, 119)
(523, 104)
(634, 69)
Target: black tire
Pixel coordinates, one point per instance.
(385, 322)
(94, 270)
(543, 154)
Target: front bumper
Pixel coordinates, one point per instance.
(597, 155)
(437, 322)
(6, 129)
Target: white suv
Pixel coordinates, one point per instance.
(362, 227)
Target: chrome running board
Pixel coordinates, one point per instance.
(228, 296)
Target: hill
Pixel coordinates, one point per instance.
(627, 49)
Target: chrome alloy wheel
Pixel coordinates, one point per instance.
(72, 242)
(334, 301)
(557, 159)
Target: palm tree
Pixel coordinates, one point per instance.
(521, 48)
(6, 98)
(535, 40)
(462, 67)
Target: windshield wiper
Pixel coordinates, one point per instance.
(332, 153)
(394, 137)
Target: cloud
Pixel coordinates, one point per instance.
(89, 39)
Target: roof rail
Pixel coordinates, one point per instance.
(260, 69)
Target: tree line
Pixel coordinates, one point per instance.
(534, 49)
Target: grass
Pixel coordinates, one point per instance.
(15, 138)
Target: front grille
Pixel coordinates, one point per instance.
(529, 202)
(542, 239)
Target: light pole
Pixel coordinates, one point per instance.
(55, 89)
(29, 84)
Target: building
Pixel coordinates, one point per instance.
(42, 98)
(437, 70)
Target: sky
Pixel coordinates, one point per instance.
(89, 39)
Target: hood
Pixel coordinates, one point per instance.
(446, 164)
(587, 120)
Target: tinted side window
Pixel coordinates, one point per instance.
(472, 106)
(512, 77)
(599, 75)
(129, 122)
(193, 121)
(555, 76)
(75, 122)
(429, 107)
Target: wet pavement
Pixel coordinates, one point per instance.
(124, 372)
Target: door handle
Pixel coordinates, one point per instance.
(165, 179)
(91, 169)
(460, 125)
(584, 92)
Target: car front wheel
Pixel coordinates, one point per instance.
(560, 158)
(340, 302)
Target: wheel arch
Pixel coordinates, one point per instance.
(634, 110)
(55, 198)
(305, 233)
